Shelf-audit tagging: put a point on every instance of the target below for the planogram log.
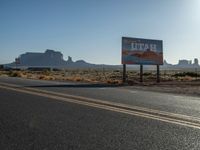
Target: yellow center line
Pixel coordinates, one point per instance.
(179, 119)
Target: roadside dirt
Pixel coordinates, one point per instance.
(191, 88)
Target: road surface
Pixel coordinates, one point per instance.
(55, 115)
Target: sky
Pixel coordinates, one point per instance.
(92, 29)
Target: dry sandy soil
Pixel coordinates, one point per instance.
(172, 82)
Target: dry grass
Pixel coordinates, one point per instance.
(102, 76)
(171, 81)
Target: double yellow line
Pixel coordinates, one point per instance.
(168, 117)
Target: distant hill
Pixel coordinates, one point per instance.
(50, 58)
(182, 64)
(54, 59)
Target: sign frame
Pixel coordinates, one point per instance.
(140, 51)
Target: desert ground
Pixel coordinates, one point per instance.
(172, 81)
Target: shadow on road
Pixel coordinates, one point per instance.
(76, 86)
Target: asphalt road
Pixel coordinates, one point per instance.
(181, 104)
(29, 121)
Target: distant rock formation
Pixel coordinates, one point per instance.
(54, 59)
(196, 62)
(187, 63)
(49, 58)
(69, 61)
(165, 63)
(183, 63)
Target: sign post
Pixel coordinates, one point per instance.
(158, 74)
(141, 73)
(124, 73)
(142, 52)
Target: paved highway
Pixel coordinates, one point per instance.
(33, 116)
(174, 103)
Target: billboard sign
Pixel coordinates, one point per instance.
(142, 51)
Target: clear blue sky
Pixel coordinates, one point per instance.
(92, 29)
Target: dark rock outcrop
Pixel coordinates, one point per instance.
(49, 58)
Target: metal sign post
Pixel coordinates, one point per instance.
(124, 73)
(158, 73)
(141, 73)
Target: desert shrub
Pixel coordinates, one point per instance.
(132, 72)
(113, 82)
(115, 76)
(147, 74)
(187, 78)
(184, 74)
(42, 77)
(116, 71)
(96, 72)
(29, 76)
(78, 79)
(85, 71)
(14, 74)
(3, 73)
(46, 72)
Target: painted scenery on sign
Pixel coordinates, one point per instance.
(142, 51)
